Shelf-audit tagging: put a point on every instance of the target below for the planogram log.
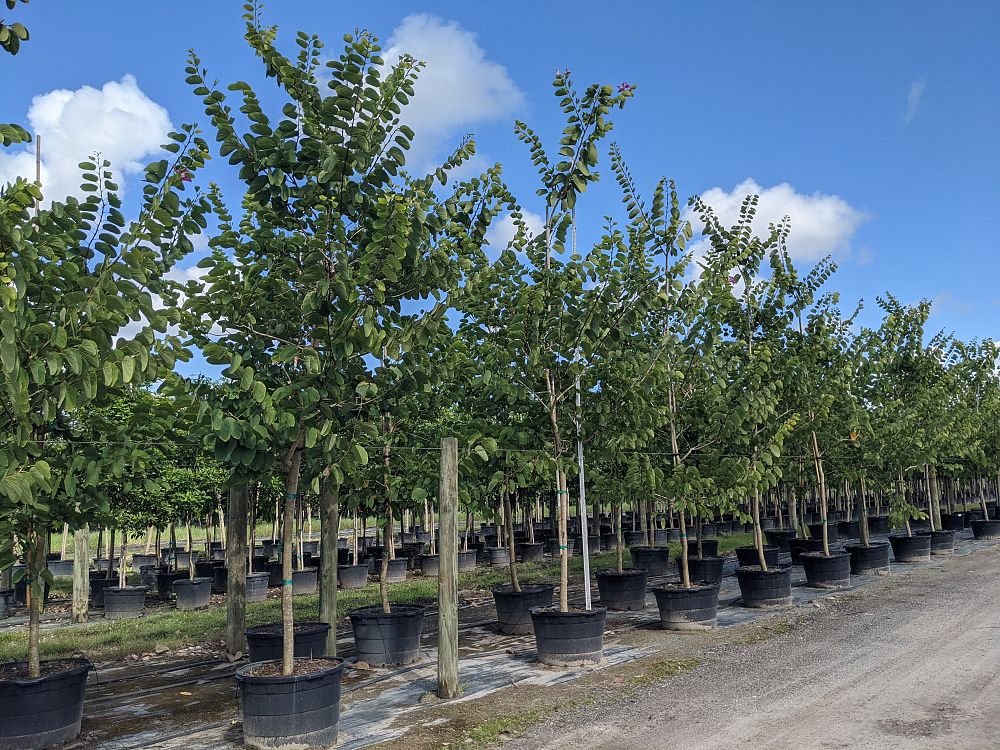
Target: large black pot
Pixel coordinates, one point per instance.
(193, 593)
(942, 542)
(138, 561)
(352, 576)
(771, 588)
(300, 711)
(97, 586)
(624, 591)
(274, 570)
(531, 552)
(797, 546)
(827, 572)
(43, 711)
(709, 547)
(6, 602)
(909, 549)
(566, 638)
(816, 531)
(467, 561)
(514, 608)
(497, 557)
(220, 579)
(695, 608)
(953, 521)
(60, 568)
(256, 586)
(634, 538)
(705, 569)
(878, 525)
(654, 560)
(986, 529)
(430, 565)
(748, 556)
(265, 642)
(124, 603)
(849, 529)
(387, 639)
(396, 572)
(868, 560)
(779, 538)
(305, 581)
(709, 530)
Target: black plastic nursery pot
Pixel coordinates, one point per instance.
(220, 579)
(310, 548)
(797, 546)
(709, 530)
(953, 521)
(765, 588)
(878, 525)
(274, 570)
(139, 561)
(60, 568)
(514, 607)
(634, 538)
(748, 556)
(827, 571)
(265, 642)
(832, 534)
(871, 560)
(625, 591)
(396, 571)
(467, 561)
(124, 603)
(43, 711)
(430, 565)
(942, 542)
(193, 593)
(206, 568)
(709, 547)
(565, 639)
(779, 538)
(305, 581)
(695, 608)
(654, 560)
(708, 570)
(256, 587)
(352, 576)
(497, 557)
(298, 711)
(986, 529)
(849, 529)
(97, 586)
(531, 552)
(6, 602)
(387, 639)
(910, 549)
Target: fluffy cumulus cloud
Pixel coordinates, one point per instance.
(117, 120)
(458, 89)
(503, 230)
(821, 224)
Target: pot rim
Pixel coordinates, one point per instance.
(678, 586)
(83, 663)
(820, 556)
(526, 588)
(337, 666)
(625, 573)
(197, 580)
(554, 611)
(398, 610)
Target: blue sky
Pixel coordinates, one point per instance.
(875, 125)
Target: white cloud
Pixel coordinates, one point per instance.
(821, 224)
(118, 121)
(458, 89)
(503, 230)
(913, 98)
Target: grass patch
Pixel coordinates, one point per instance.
(491, 732)
(763, 632)
(662, 670)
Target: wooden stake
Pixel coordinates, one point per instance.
(448, 572)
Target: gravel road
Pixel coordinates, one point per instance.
(910, 662)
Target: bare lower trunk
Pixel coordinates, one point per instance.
(758, 537)
(509, 526)
(863, 513)
(685, 573)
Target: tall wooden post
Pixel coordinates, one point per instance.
(448, 572)
(81, 574)
(236, 565)
(329, 536)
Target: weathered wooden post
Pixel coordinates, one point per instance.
(236, 565)
(81, 574)
(329, 535)
(448, 571)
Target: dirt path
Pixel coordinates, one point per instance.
(911, 662)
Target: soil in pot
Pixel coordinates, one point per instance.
(942, 542)
(625, 591)
(256, 587)
(300, 711)
(387, 639)
(514, 608)
(352, 576)
(827, 571)
(986, 529)
(832, 534)
(265, 642)
(797, 546)
(770, 588)
(531, 552)
(430, 565)
(304, 581)
(779, 538)
(708, 570)
(654, 560)
(695, 608)
(709, 548)
(44, 711)
(467, 561)
(564, 639)
(124, 603)
(193, 593)
(748, 556)
(871, 560)
(910, 549)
